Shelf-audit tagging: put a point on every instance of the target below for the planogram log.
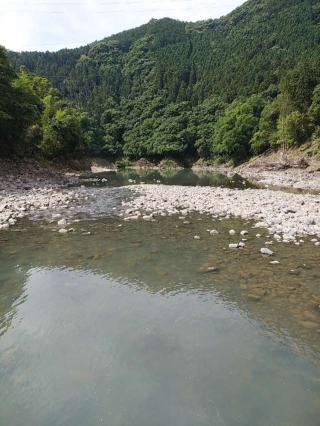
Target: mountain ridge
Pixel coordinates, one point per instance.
(189, 75)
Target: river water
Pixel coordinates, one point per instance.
(138, 324)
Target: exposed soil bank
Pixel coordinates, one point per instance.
(294, 170)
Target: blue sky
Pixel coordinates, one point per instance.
(54, 24)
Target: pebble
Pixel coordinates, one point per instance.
(266, 252)
(233, 246)
(197, 237)
(232, 232)
(212, 269)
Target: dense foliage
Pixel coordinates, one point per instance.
(221, 89)
(34, 119)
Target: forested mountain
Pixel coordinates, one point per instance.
(220, 89)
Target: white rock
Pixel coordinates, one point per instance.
(233, 246)
(266, 252)
(232, 232)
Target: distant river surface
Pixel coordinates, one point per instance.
(184, 177)
(138, 324)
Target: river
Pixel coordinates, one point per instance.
(139, 324)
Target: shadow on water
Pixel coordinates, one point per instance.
(184, 177)
(130, 325)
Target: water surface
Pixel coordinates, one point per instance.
(183, 177)
(128, 326)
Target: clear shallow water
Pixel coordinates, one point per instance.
(126, 326)
(184, 177)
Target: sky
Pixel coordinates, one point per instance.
(55, 24)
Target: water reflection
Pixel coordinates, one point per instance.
(127, 326)
(184, 177)
(164, 258)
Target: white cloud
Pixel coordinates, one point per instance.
(54, 24)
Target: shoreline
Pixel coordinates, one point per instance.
(30, 191)
(286, 216)
(28, 188)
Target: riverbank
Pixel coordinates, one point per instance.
(294, 170)
(287, 216)
(31, 189)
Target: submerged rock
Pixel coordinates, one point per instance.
(208, 269)
(62, 222)
(63, 231)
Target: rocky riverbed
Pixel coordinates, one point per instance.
(46, 192)
(19, 204)
(28, 189)
(287, 216)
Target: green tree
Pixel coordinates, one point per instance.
(20, 109)
(234, 130)
(296, 127)
(266, 135)
(314, 110)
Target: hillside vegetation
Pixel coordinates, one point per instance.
(222, 90)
